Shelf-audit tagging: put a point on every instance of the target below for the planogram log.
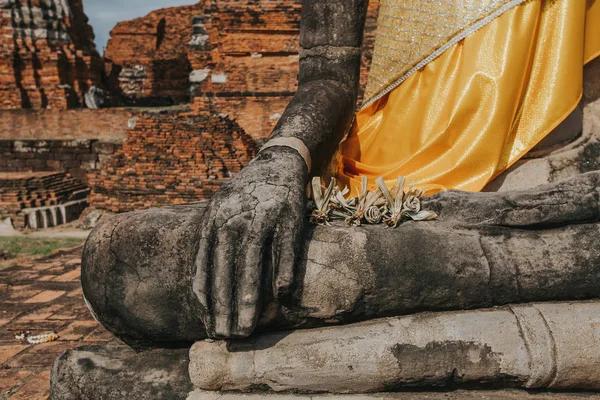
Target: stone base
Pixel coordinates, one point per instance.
(453, 395)
(118, 372)
(541, 346)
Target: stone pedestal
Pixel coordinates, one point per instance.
(118, 372)
(453, 395)
(543, 345)
(536, 346)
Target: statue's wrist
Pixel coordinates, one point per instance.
(287, 144)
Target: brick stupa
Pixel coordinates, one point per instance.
(47, 54)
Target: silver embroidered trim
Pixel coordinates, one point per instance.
(460, 36)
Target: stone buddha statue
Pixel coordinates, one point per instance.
(249, 264)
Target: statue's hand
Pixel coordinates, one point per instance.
(257, 215)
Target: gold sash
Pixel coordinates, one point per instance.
(461, 89)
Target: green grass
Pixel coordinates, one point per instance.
(35, 246)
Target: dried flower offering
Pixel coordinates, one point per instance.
(391, 207)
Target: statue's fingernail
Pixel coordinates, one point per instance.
(223, 326)
(246, 318)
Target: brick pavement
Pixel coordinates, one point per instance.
(41, 296)
(44, 295)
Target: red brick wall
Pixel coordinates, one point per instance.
(148, 56)
(171, 159)
(244, 57)
(105, 124)
(77, 157)
(252, 50)
(256, 114)
(47, 55)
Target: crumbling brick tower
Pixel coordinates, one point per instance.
(244, 59)
(227, 57)
(146, 58)
(47, 54)
(244, 56)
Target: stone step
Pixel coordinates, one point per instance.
(50, 216)
(118, 372)
(533, 346)
(450, 395)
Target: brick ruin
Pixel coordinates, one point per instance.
(230, 66)
(41, 199)
(226, 57)
(76, 157)
(105, 124)
(245, 61)
(146, 58)
(47, 54)
(171, 158)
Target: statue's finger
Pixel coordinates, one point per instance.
(203, 265)
(224, 253)
(249, 286)
(286, 243)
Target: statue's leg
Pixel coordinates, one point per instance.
(485, 249)
(136, 274)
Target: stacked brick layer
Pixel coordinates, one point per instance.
(77, 157)
(47, 54)
(19, 191)
(107, 124)
(250, 59)
(171, 159)
(147, 57)
(235, 58)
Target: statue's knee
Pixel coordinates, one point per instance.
(136, 274)
(98, 263)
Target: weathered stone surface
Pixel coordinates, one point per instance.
(41, 199)
(444, 395)
(544, 345)
(486, 249)
(170, 158)
(591, 81)
(116, 373)
(261, 210)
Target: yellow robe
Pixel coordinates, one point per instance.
(459, 107)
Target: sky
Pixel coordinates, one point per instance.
(104, 14)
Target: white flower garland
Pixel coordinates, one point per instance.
(36, 339)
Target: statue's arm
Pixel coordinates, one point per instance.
(323, 107)
(259, 214)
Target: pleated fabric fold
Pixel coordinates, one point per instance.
(472, 112)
